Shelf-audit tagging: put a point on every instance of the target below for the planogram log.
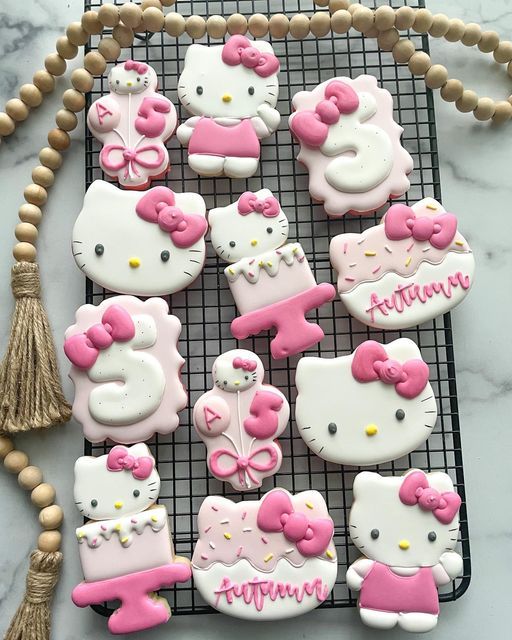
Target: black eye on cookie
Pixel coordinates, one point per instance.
(94, 503)
(332, 428)
(432, 536)
(232, 244)
(164, 256)
(400, 414)
(136, 493)
(199, 90)
(250, 91)
(374, 533)
(99, 249)
(270, 230)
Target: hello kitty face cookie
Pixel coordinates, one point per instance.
(350, 145)
(265, 559)
(126, 369)
(133, 122)
(148, 244)
(413, 267)
(367, 408)
(239, 420)
(231, 90)
(407, 529)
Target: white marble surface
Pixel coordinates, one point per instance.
(475, 173)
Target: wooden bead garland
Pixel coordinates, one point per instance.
(31, 95)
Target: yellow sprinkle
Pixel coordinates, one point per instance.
(269, 263)
(269, 557)
(117, 527)
(309, 505)
(227, 536)
(329, 554)
(80, 534)
(408, 261)
(459, 243)
(295, 249)
(154, 519)
(231, 271)
(125, 539)
(370, 253)
(260, 263)
(431, 206)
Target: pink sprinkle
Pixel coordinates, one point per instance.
(376, 269)
(278, 252)
(133, 521)
(250, 274)
(410, 246)
(207, 529)
(239, 552)
(215, 508)
(251, 261)
(302, 259)
(94, 542)
(345, 247)
(264, 540)
(103, 527)
(348, 279)
(204, 556)
(244, 515)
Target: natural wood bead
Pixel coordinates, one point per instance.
(30, 213)
(51, 517)
(353, 7)
(55, 64)
(167, 3)
(388, 39)
(66, 119)
(484, 109)
(42, 176)
(6, 446)
(436, 76)
(452, 90)
(155, 4)
(50, 158)
(422, 21)
(108, 15)
(502, 112)
(65, 48)
(237, 23)
(24, 252)
(30, 477)
(131, 14)
(404, 18)
(7, 124)
(77, 34)
(16, 109)
(15, 461)
(49, 541)
(341, 21)
(336, 5)
(503, 52)
(467, 102)
(43, 495)
(489, 41)
(419, 63)
(174, 24)
(91, 23)
(321, 3)
(299, 26)
(82, 80)
(216, 27)
(258, 25)
(362, 19)
(31, 95)
(153, 19)
(195, 27)
(35, 194)
(403, 50)
(320, 24)
(373, 32)
(73, 100)
(26, 232)
(279, 25)
(44, 81)
(58, 139)
(109, 49)
(95, 63)
(440, 25)
(455, 30)
(124, 35)
(384, 18)
(472, 34)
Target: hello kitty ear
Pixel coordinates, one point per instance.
(366, 482)
(97, 189)
(440, 481)
(83, 465)
(403, 349)
(195, 54)
(140, 450)
(262, 45)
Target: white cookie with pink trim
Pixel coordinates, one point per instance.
(350, 145)
(268, 559)
(412, 268)
(239, 421)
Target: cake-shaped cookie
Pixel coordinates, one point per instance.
(126, 369)
(268, 559)
(350, 145)
(231, 90)
(407, 529)
(239, 420)
(413, 267)
(133, 122)
(271, 281)
(125, 550)
(366, 408)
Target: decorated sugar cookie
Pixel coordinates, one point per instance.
(408, 270)
(239, 420)
(372, 406)
(407, 527)
(231, 90)
(350, 145)
(126, 369)
(268, 559)
(148, 244)
(133, 122)
(271, 281)
(125, 549)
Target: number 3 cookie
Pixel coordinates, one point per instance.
(350, 145)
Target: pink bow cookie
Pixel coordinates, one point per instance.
(245, 365)
(238, 50)
(401, 222)
(415, 489)
(243, 464)
(119, 459)
(249, 203)
(133, 65)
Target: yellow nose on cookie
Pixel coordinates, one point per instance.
(227, 97)
(134, 263)
(404, 544)
(118, 504)
(254, 242)
(371, 430)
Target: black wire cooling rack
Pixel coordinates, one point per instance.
(206, 308)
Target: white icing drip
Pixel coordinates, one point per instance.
(270, 261)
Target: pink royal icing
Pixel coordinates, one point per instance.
(249, 202)
(119, 459)
(238, 50)
(233, 140)
(401, 222)
(416, 490)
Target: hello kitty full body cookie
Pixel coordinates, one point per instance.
(413, 267)
(125, 549)
(126, 369)
(231, 90)
(145, 244)
(133, 122)
(350, 145)
(239, 421)
(271, 281)
(265, 559)
(366, 408)
(407, 527)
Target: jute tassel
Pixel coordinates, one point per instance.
(32, 619)
(31, 395)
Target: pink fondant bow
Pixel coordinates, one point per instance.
(116, 326)
(371, 362)
(119, 459)
(245, 365)
(133, 65)
(130, 158)
(311, 535)
(401, 222)
(249, 203)
(312, 127)
(243, 464)
(238, 50)
(415, 489)
(158, 206)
